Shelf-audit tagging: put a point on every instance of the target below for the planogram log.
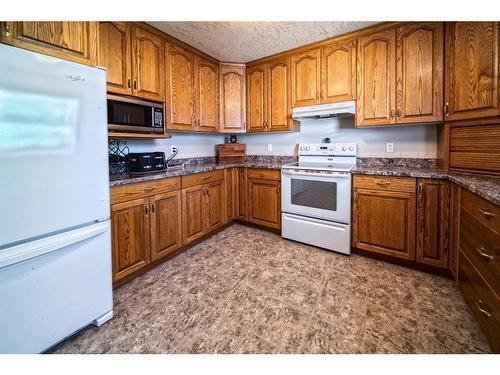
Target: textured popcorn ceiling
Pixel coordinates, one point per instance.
(247, 41)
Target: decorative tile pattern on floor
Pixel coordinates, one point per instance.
(249, 291)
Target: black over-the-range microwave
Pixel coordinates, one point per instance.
(134, 116)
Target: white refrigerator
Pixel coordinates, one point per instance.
(55, 250)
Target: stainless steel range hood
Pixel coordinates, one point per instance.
(342, 109)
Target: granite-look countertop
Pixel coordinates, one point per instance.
(487, 187)
(131, 178)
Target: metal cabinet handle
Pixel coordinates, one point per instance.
(480, 307)
(486, 257)
(146, 209)
(149, 190)
(399, 113)
(392, 113)
(420, 190)
(383, 183)
(135, 84)
(445, 109)
(487, 214)
(128, 83)
(153, 207)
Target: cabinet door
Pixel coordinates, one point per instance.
(193, 213)
(420, 54)
(279, 116)
(180, 89)
(264, 202)
(215, 205)
(230, 194)
(232, 99)
(257, 99)
(148, 64)
(114, 55)
(306, 78)
(454, 230)
(74, 41)
(471, 71)
(166, 233)
(207, 108)
(376, 79)
(130, 237)
(241, 194)
(395, 234)
(338, 72)
(433, 222)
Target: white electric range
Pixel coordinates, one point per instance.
(316, 196)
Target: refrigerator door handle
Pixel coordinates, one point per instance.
(26, 251)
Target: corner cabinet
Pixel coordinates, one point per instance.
(433, 222)
(400, 75)
(268, 105)
(232, 98)
(134, 59)
(73, 41)
(472, 63)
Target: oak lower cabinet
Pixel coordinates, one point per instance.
(230, 194)
(433, 220)
(471, 70)
(241, 210)
(383, 218)
(264, 197)
(203, 204)
(145, 224)
(73, 41)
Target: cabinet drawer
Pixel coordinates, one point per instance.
(481, 300)
(143, 189)
(406, 184)
(482, 209)
(482, 246)
(265, 174)
(202, 178)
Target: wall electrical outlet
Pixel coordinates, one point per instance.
(389, 147)
(173, 149)
(269, 147)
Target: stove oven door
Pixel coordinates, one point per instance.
(317, 194)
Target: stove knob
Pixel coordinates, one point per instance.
(351, 148)
(308, 148)
(301, 148)
(344, 148)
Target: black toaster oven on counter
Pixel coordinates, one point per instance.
(146, 161)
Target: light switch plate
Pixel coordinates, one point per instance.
(389, 147)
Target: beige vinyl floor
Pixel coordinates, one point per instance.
(246, 290)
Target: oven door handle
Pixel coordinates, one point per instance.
(319, 174)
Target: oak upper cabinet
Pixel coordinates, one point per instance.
(376, 78)
(241, 194)
(130, 237)
(471, 71)
(419, 73)
(166, 233)
(390, 198)
(74, 41)
(338, 72)
(114, 54)
(148, 64)
(180, 89)
(264, 197)
(134, 59)
(232, 98)
(433, 220)
(268, 97)
(306, 78)
(206, 78)
(257, 98)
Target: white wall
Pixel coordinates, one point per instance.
(416, 141)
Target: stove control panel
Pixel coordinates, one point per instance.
(328, 149)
